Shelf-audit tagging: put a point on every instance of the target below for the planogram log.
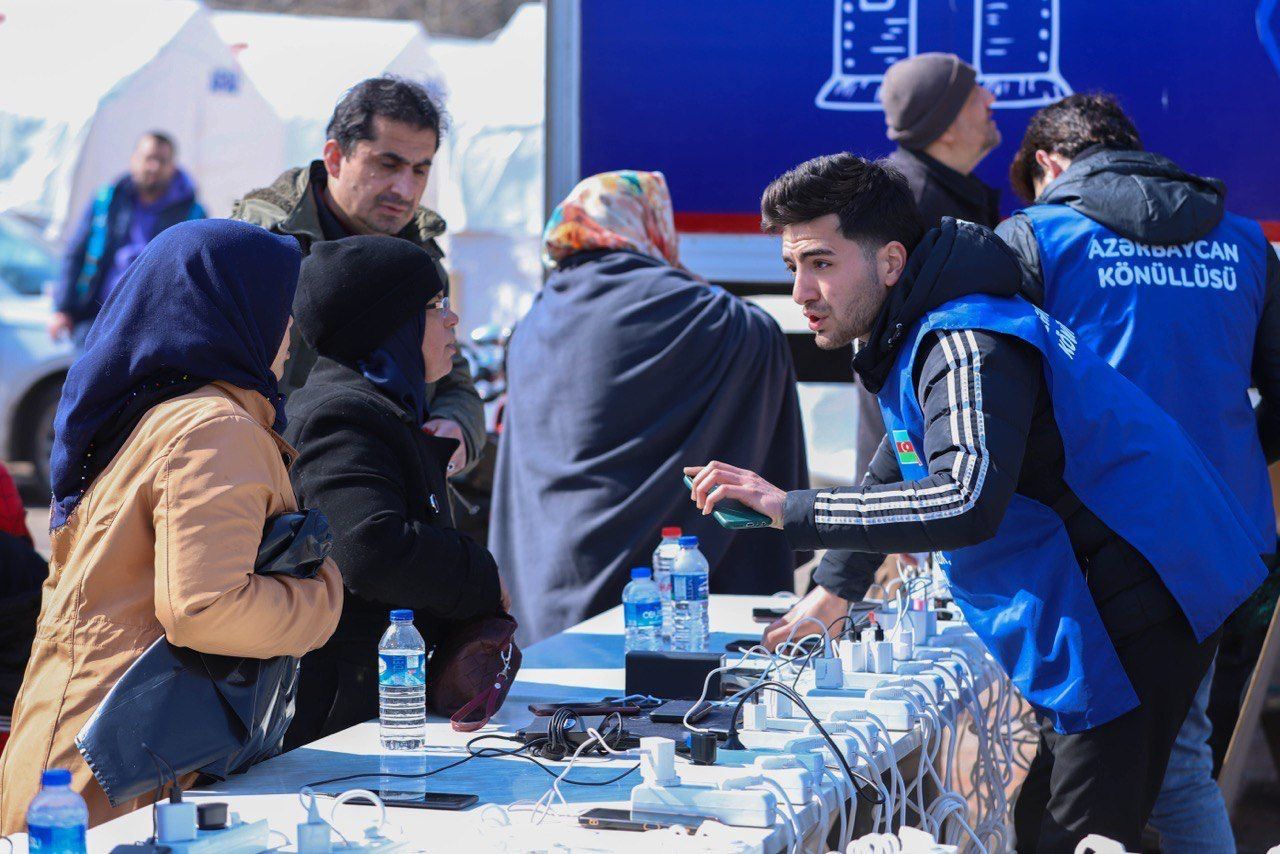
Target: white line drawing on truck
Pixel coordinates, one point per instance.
(1015, 51)
(869, 36)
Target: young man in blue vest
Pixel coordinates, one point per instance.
(1142, 261)
(1090, 545)
(116, 226)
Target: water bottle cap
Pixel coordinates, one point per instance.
(689, 542)
(671, 533)
(402, 615)
(56, 777)
(642, 572)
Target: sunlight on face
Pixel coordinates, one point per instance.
(836, 281)
(379, 183)
(277, 367)
(439, 342)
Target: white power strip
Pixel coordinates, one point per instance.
(239, 837)
(897, 714)
(763, 742)
(736, 807)
(860, 683)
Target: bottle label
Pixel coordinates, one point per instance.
(56, 839)
(664, 586)
(689, 588)
(642, 615)
(402, 670)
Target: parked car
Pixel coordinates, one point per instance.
(32, 367)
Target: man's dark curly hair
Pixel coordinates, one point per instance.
(388, 96)
(1069, 127)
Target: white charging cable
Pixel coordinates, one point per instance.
(821, 633)
(372, 832)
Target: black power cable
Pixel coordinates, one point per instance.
(482, 753)
(175, 793)
(519, 754)
(733, 742)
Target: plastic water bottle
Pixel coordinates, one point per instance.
(690, 627)
(664, 560)
(402, 685)
(57, 818)
(642, 611)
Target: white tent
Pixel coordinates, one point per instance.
(488, 176)
(82, 81)
(303, 63)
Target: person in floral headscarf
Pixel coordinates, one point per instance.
(627, 367)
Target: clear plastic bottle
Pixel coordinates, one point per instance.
(57, 819)
(690, 626)
(402, 685)
(642, 611)
(664, 560)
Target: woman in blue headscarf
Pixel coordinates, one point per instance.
(167, 464)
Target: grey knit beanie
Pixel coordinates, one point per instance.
(923, 95)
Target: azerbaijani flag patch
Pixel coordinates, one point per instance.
(905, 449)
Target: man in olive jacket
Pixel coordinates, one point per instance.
(380, 144)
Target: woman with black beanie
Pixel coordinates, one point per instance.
(374, 309)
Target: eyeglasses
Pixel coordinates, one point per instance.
(442, 305)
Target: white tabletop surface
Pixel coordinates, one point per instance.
(584, 662)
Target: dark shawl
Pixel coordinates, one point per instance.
(398, 368)
(625, 370)
(207, 300)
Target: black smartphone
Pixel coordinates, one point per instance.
(735, 515)
(601, 708)
(768, 615)
(673, 712)
(425, 801)
(602, 818)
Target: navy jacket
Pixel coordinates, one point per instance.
(103, 228)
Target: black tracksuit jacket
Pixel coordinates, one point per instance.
(1016, 431)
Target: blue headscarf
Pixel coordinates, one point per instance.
(206, 300)
(398, 368)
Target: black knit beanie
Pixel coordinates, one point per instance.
(354, 292)
(923, 95)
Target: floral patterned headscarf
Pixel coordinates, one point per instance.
(614, 210)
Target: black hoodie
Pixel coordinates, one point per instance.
(1004, 441)
(1150, 199)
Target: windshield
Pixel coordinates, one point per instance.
(26, 262)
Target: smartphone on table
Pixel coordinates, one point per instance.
(425, 801)
(735, 515)
(603, 818)
(600, 708)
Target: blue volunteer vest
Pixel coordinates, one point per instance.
(1023, 591)
(1180, 322)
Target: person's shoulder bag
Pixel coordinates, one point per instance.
(177, 710)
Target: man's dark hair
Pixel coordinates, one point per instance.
(388, 96)
(873, 200)
(162, 138)
(1069, 127)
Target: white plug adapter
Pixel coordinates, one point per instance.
(828, 673)
(658, 761)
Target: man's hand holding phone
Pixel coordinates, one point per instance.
(716, 482)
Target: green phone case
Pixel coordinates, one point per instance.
(735, 515)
